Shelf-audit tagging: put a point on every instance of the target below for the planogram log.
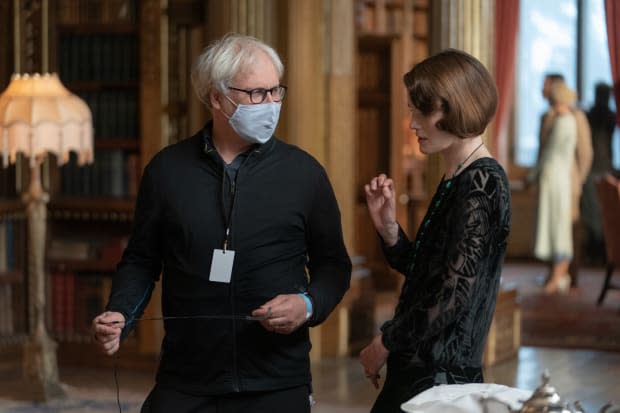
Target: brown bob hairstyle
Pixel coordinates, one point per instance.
(457, 84)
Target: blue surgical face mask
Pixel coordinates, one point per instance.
(255, 123)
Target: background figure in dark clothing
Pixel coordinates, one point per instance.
(602, 122)
(452, 270)
(246, 233)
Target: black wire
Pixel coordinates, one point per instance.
(118, 397)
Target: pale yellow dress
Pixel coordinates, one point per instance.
(554, 238)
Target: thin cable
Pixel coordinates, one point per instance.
(118, 396)
(210, 316)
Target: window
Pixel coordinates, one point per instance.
(548, 43)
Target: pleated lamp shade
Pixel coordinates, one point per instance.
(38, 115)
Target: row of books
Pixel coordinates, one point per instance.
(115, 113)
(100, 11)
(63, 249)
(114, 173)
(11, 235)
(111, 57)
(12, 310)
(76, 298)
(8, 182)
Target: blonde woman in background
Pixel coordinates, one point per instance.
(554, 228)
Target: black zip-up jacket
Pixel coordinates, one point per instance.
(286, 233)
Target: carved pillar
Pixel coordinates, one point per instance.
(306, 65)
(30, 35)
(40, 367)
(340, 154)
(341, 101)
(153, 121)
(252, 17)
(466, 25)
(151, 79)
(321, 119)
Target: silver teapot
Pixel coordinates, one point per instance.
(545, 399)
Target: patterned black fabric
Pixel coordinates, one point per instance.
(452, 272)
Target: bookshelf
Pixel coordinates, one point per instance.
(97, 58)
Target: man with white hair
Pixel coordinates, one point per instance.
(246, 232)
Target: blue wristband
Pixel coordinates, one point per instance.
(308, 304)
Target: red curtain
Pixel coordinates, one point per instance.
(612, 15)
(506, 31)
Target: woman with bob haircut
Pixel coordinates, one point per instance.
(452, 269)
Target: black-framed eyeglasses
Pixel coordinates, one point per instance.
(259, 95)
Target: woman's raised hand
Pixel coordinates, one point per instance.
(381, 201)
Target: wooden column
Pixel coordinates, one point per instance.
(251, 17)
(152, 122)
(151, 79)
(306, 61)
(340, 129)
(340, 163)
(466, 25)
(321, 120)
(402, 59)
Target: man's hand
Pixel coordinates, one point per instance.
(373, 357)
(106, 329)
(286, 313)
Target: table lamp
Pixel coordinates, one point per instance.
(38, 116)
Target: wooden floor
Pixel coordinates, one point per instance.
(340, 387)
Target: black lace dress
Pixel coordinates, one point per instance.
(452, 273)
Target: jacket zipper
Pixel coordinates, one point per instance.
(234, 191)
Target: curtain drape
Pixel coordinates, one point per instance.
(612, 16)
(506, 31)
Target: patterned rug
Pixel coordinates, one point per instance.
(571, 320)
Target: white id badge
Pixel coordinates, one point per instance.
(221, 266)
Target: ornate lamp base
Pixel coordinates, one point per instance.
(40, 371)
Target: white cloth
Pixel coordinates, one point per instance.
(466, 398)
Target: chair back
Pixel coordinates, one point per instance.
(608, 189)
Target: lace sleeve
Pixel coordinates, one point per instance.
(458, 269)
(467, 253)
